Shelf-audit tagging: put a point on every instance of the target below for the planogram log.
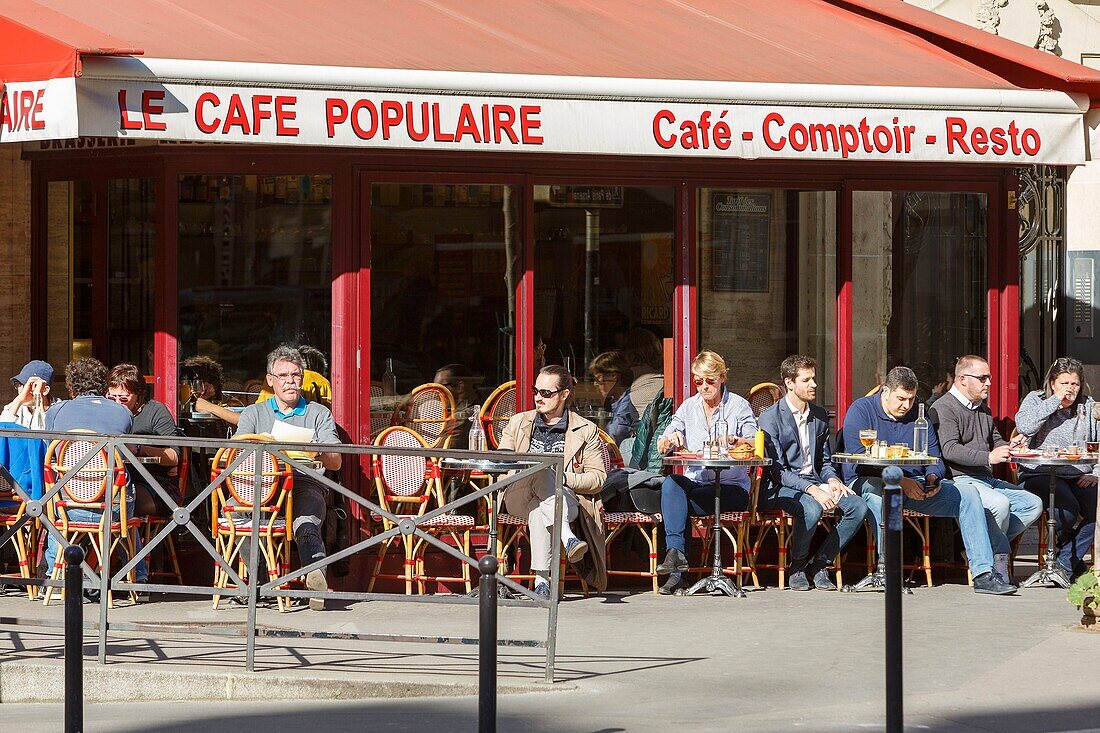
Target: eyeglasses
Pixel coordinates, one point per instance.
(546, 393)
(983, 378)
(605, 378)
(120, 397)
(288, 377)
(709, 380)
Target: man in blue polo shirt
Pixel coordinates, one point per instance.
(285, 371)
(891, 413)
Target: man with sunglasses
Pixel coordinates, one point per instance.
(971, 446)
(553, 428)
(691, 494)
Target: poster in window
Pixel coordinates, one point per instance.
(741, 236)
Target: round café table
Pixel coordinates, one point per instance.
(716, 581)
(491, 468)
(1046, 574)
(877, 579)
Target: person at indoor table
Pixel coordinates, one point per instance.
(691, 494)
(1054, 418)
(126, 386)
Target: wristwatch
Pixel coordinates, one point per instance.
(931, 481)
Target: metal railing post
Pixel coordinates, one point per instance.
(487, 645)
(892, 510)
(74, 640)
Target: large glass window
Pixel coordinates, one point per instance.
(919, 284)
(70, 223)
(442, 260)
(255, 269)
(604, 279)
(767, 282)
(131, 243)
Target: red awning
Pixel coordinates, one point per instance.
(840, 56)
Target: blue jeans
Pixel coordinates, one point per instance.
(141, 570)
(1072, 500)
(959, 502)
(1009, 510)
(682, 498)
(806, 512)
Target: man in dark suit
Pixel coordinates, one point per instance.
(801, 480)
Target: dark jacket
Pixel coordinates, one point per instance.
(782, 446)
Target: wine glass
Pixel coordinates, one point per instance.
(867, 438)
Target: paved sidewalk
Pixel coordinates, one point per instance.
(775, 661)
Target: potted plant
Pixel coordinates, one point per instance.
(1085, 595)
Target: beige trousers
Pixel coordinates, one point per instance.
(533, 500)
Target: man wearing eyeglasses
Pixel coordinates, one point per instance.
(287, 408)
(553, 428)
(971, 446)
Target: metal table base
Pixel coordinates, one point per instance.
(717, 581)
(1046, 574)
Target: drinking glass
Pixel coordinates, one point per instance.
(867, 438)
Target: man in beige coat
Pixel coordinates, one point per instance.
(552, 428)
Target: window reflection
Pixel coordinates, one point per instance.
(70, 221)
(442, 284)
(131, 274)
(604, 278)
(255, 269)
(919, 259)
(767, 282)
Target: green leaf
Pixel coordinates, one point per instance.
(1085, 591)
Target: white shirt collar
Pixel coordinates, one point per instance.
(963, 400)
(800, 416)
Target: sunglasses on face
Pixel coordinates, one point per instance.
(709, 380)
(545, 393)
(983, 378)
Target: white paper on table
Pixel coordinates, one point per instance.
(284, 432)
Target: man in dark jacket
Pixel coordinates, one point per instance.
(801, 480)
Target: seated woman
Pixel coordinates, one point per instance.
(554, 428)
(691, 494)
(1049, 417)
(126, 386)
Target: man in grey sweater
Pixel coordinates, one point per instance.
(971, 446)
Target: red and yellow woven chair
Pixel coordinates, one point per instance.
(99, 485)
(152, 524)
(12, 510)
(406, 486)
(496, 411)
(764, 395)
(232, 508)
(429, 410)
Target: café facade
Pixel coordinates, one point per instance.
(487, 186)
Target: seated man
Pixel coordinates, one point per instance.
(90, 410)
(612, 376)
(285, 372)
(971, 446)
(890, 412)
(801, 480)
(553, 428)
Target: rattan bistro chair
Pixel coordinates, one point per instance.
(407, 485)
(496, 411)
(152, 524)
(12, 510)
(232, 508)
(429, 411)
(98, 486)
(764, 395)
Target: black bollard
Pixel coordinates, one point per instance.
(487, 646)
(892, 512)
(74, 640)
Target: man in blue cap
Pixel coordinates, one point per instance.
(32, 398)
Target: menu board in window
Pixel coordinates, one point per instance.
(741, 237)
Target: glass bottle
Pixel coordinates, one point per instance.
(719, 438)
(477, 433)
(389, 380)
(920, 433)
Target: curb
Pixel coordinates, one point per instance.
(43, 681)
